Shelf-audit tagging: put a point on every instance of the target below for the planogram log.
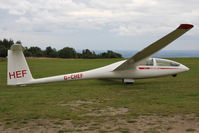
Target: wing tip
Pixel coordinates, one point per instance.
(185, 26)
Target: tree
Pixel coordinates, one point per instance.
(67, 52)
(4, 46)
(35, 52)
(7, 43)
(49, 52)
(79, 55)
(18, 42)
(3, 51)
(86, 53)
(110, 54)
(26, 52)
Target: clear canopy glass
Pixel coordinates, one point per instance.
(159, 62)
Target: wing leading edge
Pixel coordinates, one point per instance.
(154, 47)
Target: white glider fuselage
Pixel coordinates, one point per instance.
(137, 67)
(138, 72)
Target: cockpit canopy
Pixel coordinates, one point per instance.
(163, 62)
(159, 62)
(148, 62)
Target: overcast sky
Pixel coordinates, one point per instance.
(98, 24)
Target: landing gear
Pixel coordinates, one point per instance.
(22, 85)
(128, 81)
(174, 75)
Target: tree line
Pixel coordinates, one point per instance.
(66, 52)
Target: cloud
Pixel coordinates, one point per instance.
(128, 18)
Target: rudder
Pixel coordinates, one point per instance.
(18, 72)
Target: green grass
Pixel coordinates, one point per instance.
(162, 96)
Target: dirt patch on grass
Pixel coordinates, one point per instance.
(92, 111)
(117, 123)
(111, 119)
(108, 111)
(166, 124)
(78, 103)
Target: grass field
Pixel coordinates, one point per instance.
(97, 101)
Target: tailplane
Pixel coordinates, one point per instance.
(18, 72)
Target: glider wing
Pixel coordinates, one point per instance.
(154, 47)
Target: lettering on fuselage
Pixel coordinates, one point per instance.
(73, 76)
(17, 74)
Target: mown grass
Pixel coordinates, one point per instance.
(162, 96)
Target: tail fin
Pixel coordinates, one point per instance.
(18, 70)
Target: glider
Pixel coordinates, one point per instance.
(138, 66)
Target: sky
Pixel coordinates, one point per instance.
(98, 24)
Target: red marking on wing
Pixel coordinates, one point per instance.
(185, 26)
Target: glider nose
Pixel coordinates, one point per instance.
(185, 68)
